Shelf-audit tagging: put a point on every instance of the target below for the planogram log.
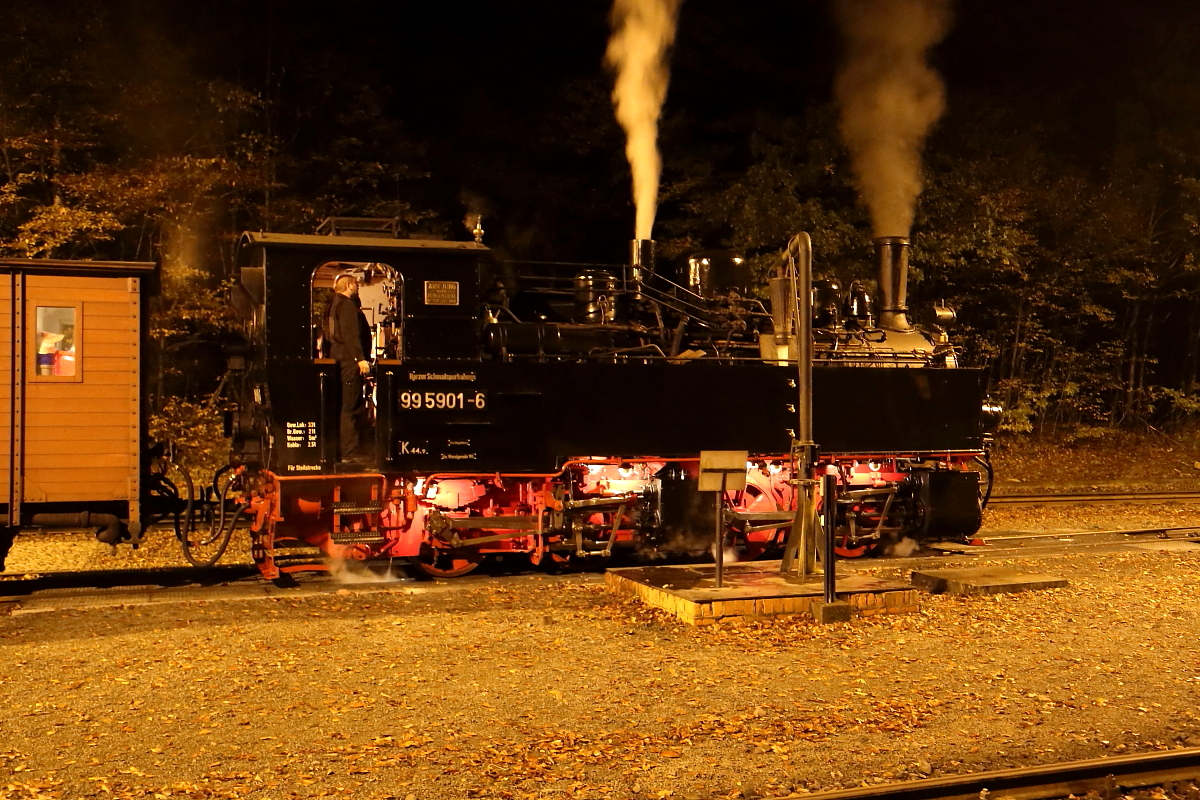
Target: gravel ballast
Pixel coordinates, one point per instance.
(551, 687)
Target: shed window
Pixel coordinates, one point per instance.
(56, 341)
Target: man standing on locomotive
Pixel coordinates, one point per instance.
(349, 335)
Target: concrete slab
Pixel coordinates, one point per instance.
(754, 590)
(1171, 545)
(983, 580)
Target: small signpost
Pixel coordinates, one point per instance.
(721, 471)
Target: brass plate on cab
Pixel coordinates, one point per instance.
(441, 293)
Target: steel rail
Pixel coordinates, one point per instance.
(1093, 497)
(1040, 782)
(1180, 533)
(23, 583)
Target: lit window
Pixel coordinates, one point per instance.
(55, 342)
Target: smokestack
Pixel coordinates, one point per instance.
(641, 262)
(891, 252)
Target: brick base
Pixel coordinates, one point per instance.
(864, 604)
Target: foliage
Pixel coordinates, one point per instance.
(797, 179)
(131, 153)
(1068, 248)
(194, 431)
(1064, 272)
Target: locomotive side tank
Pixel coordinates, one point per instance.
(559, 411)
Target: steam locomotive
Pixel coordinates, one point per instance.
(557, 411)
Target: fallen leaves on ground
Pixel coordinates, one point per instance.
(554, 688)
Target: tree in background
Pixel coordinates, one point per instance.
(1067, 246)
(129, 153)
(1064, 271)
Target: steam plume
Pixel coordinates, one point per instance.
(643, 30)
(889, 98)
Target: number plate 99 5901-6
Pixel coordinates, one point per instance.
(443, 401)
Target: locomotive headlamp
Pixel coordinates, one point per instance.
(939, 315)
(990, 415)
(944, 314)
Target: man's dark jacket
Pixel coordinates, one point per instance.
(344, 321)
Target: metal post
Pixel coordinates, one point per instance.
(801, 540)
(802, 291)
(830, 491)
(719, 533)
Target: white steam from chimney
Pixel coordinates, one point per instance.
(643, 31)
(889, 98)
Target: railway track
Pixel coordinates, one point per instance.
(81, 591)
(1105, 776)
(1076, 498)
(160, 577)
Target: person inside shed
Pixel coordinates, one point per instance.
(64, 357)
(349, 338)
(47, 348)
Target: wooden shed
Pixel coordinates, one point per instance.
(71, 411)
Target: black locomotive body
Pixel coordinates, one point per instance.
(559, 411)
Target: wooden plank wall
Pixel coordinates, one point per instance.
(81, 438)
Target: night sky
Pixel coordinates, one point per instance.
(1062, 183)
(509, 100)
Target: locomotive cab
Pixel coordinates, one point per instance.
(420, 299)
